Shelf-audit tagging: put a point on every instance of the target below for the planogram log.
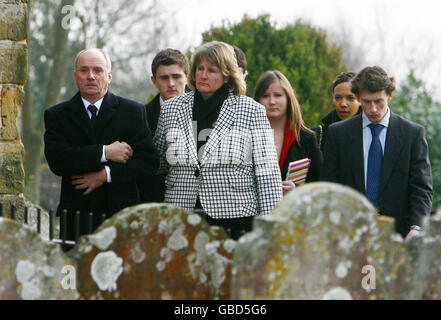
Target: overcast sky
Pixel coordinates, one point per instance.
(411, 29)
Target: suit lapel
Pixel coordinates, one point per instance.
(78, 115)
(354, 151)
(392, 150)
(224, 122)
(106, 113)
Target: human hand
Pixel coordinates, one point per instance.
(411, 234)
(287, 186)
(118, 152)
(89, 181)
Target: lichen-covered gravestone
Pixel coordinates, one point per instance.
(325, 241)
(154, 251)
(31, 268)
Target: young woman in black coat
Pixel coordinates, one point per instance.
(294, 141)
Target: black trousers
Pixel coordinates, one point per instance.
(234, 227)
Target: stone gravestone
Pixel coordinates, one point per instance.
(149, 251)
(30, 267)
(429, 264)
(154, 251)
(325, 241)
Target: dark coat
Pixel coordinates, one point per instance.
(152, 188)
(321, 131)
(72, 148)
(153, 109)
(308, 148)
(406, 181)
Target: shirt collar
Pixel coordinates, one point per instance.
(96, 104)
(161, 101)
(384, 121)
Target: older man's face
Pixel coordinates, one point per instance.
(92, 76)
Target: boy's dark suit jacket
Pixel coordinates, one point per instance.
(152, 188)
(406, 180)
(73, 147)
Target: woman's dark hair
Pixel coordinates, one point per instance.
(343, 77)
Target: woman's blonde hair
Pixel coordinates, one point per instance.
(221, 55)
(293, 108)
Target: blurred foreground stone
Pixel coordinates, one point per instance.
(154, 251)
(150, 251)
(30, 267)
(325, 241)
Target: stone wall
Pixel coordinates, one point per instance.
(323, 241)
(13, 73)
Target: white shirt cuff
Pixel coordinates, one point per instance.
(109, 177)
(103, 157)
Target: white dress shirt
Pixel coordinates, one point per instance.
(103, 156)
(367, 138)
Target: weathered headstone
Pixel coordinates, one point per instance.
(429, 264)
(154, 251)
(30, 267)
(325, 241)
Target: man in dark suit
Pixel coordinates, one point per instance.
(382, 155)
(99, 143)
(169, 75)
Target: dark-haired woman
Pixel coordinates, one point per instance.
(345, 104)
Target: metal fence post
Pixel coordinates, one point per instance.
(64, 226)
(26, 215)
(90, 222)
(12, 216)
(51, 225)
(77, 225)
(38, 220)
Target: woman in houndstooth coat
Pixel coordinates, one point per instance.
(217, 146)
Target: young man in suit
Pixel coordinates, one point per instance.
(382, 155)
(169, 75)
(241, 61)
(99, 143)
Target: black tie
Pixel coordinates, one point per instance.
(93, 110)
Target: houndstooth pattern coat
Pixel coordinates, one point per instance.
(236, 173)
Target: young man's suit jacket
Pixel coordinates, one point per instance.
(406, 180)
(152, 187)
(72, 147)
(237, 174)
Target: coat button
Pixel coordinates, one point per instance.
(197, 173)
